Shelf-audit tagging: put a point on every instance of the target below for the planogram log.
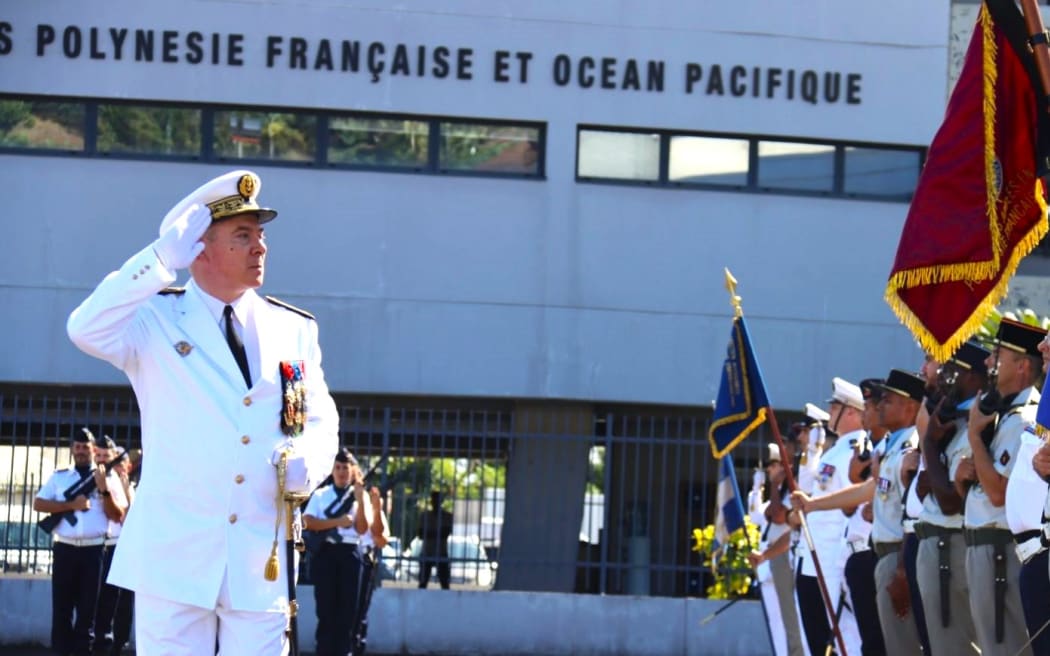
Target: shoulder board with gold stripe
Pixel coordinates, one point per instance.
(291, 308)
(168, 291)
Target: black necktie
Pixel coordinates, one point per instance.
(237, 346)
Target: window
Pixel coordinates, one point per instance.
(275, 136)
(709, 160)
(264, 135)
(377, 142)
(618, 155)
(149, 130)
(881, 172)
(44, 125)
(796, 166)
(489, 148)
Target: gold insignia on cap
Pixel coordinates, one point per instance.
(246, 186)
(183, 348)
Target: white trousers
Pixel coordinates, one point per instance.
(168, 628)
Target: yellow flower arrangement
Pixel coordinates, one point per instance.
(728, 562)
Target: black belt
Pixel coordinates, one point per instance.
(975, 537)
(885, 548)
(927, 530)
(1025, 536)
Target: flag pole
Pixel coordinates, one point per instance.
(738, 312)
(1037, 41)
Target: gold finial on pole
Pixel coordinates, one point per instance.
(734, 300)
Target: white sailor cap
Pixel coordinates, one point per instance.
(846, 393)
(228, 195)
(816, 413)
(774, 453)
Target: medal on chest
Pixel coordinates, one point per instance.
(293, 396)
(825, 474)
(883, 488)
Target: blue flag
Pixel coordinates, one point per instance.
(730, 506)
(742, 402)
(1042, 414)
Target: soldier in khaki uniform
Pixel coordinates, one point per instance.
(902, 395)
(992, 565)
(941, 563)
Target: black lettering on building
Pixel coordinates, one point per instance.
(441, 68)
(655, 78)
(400, 64)
(194, 51)
(5, 38)
(94, 51)
(273, 49)
(297, 53)
(523, 66)
(562, 68)
(234, 49)
(351, 56)
(71, 42)
(169, 47)
(45, 36)
(831, 86)
(323, 59)
(693, 74)
(853, 89)
(118, 37)
(464, 60)
(737, 86)
(608, 73)
(144, 45)
(500, 66)
(714, 81)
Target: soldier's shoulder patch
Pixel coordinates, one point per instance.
(1005, 458)
(172, 291)
(288, 306)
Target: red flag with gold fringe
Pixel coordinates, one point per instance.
(980, 204)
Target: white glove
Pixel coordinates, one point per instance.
(297, 477)
(758, 479)
(180, 243)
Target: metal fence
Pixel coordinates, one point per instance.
(569, 497)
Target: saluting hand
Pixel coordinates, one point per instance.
(180, 244)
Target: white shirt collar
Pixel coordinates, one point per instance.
(216, 308)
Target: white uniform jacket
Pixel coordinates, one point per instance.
(206, 504)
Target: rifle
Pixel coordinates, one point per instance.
(84, 486)
(314, 540)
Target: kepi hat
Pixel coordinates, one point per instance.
(1020, 337)
(906, 384)
(871, 388)
(971, 356)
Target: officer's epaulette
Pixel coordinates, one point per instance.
(168, 291)
(287, 306)
(64, 469)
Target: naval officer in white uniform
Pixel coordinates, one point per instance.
(217, 369)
